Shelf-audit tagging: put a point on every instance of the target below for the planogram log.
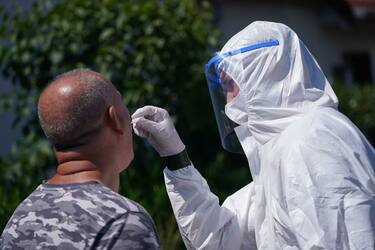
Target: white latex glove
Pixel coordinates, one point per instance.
(156, 126)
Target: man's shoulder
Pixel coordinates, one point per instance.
(52, 211)
(94, 197)
(79, 204)
(135, 230)
(90, 197)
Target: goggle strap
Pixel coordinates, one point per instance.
(218, 58)
(251, 47)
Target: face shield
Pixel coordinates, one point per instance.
(223, 89)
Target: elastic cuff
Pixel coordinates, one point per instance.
(177, 161)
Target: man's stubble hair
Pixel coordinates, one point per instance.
(83, 115)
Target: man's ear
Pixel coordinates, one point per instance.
(114, 121)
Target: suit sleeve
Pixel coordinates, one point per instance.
(203, 223)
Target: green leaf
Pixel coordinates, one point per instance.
(56, 57)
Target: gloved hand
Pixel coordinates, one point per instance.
(156, 126)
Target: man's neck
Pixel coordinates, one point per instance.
(83, 171)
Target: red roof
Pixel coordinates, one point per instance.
(370, 4)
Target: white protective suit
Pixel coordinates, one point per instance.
(313, 170)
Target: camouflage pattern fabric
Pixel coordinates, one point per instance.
(79, 216)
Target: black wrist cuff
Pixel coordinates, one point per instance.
(177, 161)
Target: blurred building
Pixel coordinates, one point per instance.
(339, 33)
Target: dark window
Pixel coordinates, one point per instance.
(357, 66)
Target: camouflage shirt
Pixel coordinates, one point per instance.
(79, 216)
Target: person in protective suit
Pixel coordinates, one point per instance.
(313, 170)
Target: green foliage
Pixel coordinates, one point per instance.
(31, 158)
(358, 103)
(154, 53)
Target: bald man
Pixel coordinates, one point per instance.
(82, 115)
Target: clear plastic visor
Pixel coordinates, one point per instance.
(222, 90)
